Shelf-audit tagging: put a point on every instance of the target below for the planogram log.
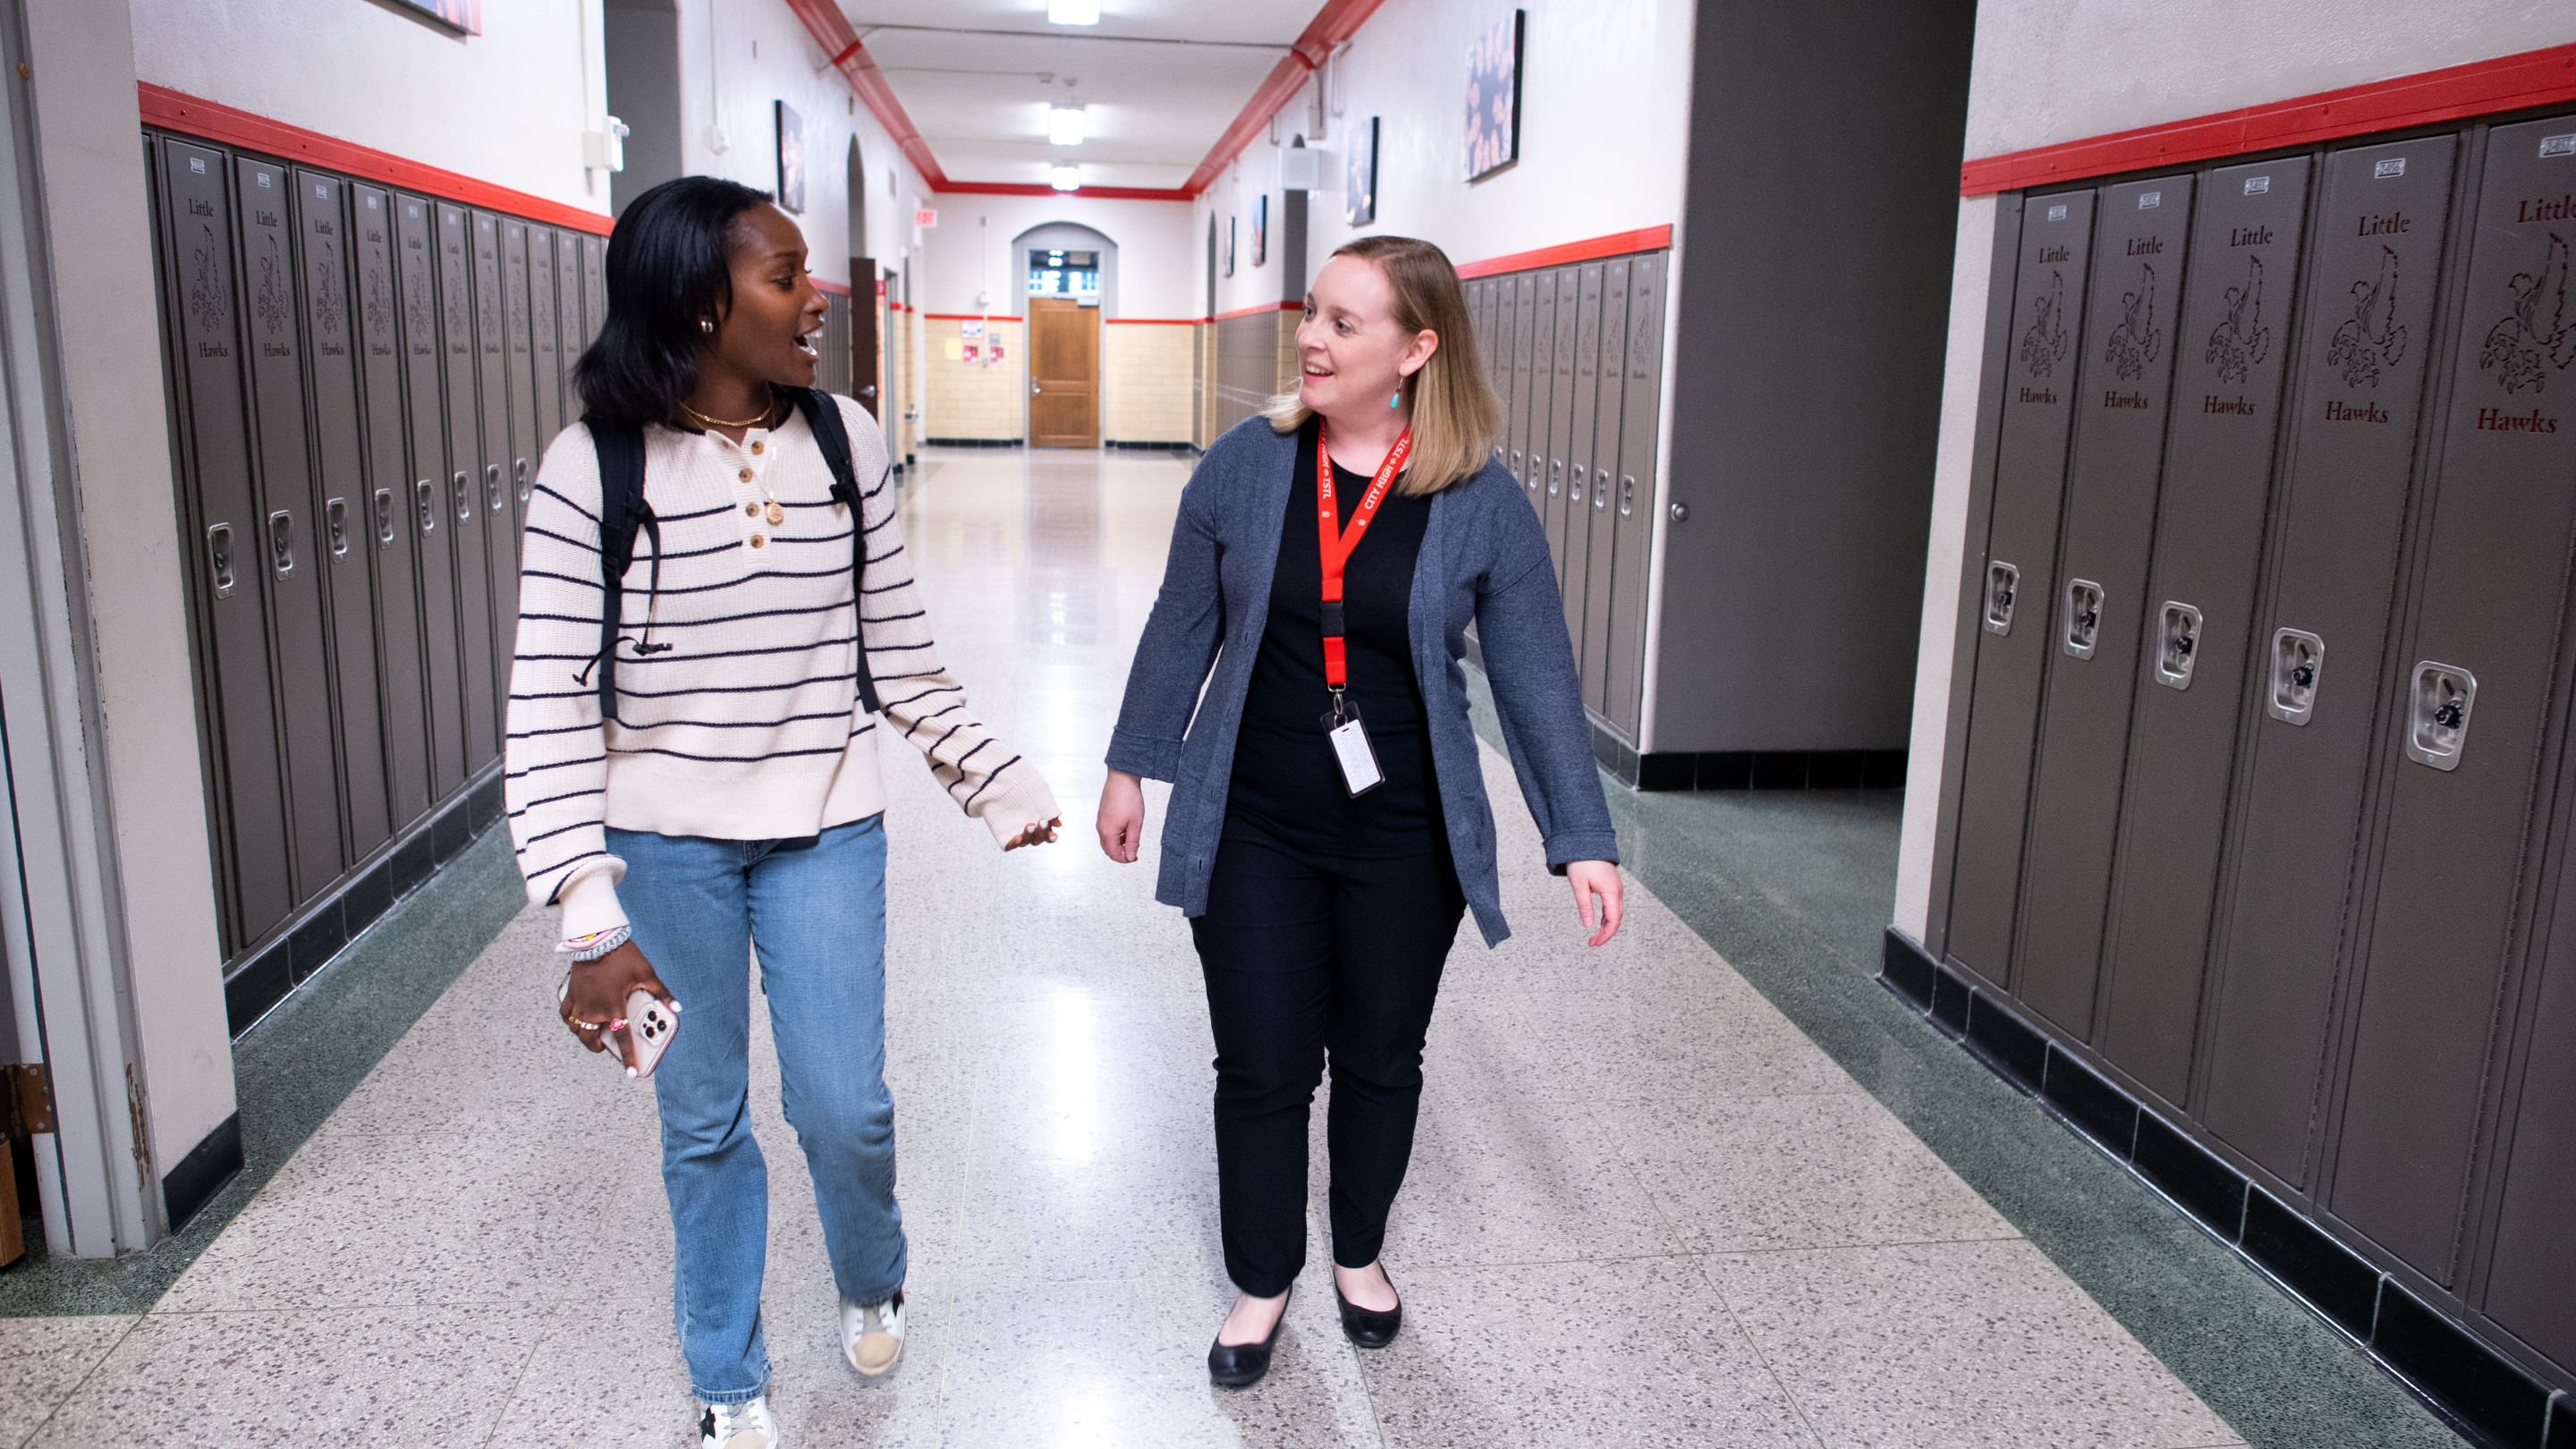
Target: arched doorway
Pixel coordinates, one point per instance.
(1067, 280)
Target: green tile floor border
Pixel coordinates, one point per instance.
(296, 1067)
(1794, 889)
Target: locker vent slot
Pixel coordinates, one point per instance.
(2298, 658)
(2437, 723)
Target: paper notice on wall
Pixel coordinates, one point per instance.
(974, 354)
(971, 327)
(952, 349)
(992, 354)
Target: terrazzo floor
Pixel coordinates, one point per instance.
(1646, 1208)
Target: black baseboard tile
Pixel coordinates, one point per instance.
(368, 897)
(316, 940)
(1907, 970)
(2562, 1422)
(213, 1162)
(1950, 998)
(2188, 1173)
(412, 863)
(2328, 1275)
(975, 442)
(451, 832)
(2104, 1112)
(1667, 772)
(483, 806)
(257, 985)
(2020, 1053)
(2458, 1372)
(1150, 447)
(1771, 770)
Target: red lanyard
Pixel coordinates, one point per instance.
(1338, 544)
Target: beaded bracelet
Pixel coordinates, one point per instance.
(596, 944)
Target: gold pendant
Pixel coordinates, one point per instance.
(777, 515)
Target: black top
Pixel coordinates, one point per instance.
(1287, 785)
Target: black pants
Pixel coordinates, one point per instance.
(1307, 956)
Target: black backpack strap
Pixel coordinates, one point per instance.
(823, 419)
(622, 510)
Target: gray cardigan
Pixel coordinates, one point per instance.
(1484, 558)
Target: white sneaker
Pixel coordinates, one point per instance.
(746, 1425)
(872, 1334)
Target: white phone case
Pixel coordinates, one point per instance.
(649, 1028)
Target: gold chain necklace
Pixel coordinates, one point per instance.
(761, 417)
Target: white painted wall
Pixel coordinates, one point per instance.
(508, 106)
(1605, 119)
(2051, 71)
(1160, 266)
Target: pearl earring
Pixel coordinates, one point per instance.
(707, 326)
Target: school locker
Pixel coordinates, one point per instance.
(288, 558)
(463, 439)
(594, 286)
(2230, 352)
(1480, 307)
(1529, 375)
(2470, 708)
(571, 335)
(1592, 638)
(347, 558)
(2319, 675)
(521, 354)
(393, 530)
(1578, 451)
(224, 520)
(1632, 508)
(1560, 404)
(544, 386)
(2123, 379)
(432, 509)
(493, 456)
(2018, 600)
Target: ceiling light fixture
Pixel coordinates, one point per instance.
(1064, 126)
(1073, 12)
(1068, 177)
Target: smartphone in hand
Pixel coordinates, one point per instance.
(649, 1028)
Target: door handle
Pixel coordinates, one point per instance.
(424, 496)
(1034, 389)
(492, 486)
(219, 554)
(871, 390)
(2438, 724)
(335, 519)
(281, 542)
(2298, 661)
(464, 487)
(385, 516)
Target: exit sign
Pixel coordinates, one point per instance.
(925, 217)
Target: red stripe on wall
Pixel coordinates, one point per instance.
(1338, 21)
(835, 288)
(2507, 83)
(971, 316)
(1152, 321)
(831, 31)
(1617, 244)
(179, 111)
(1254, 311)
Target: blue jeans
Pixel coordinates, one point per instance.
(814, 911)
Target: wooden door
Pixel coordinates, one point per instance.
(1064, 373)
(864, 382)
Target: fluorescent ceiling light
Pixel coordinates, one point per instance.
(1073, 12)
(1068, 177)
(1064, 126)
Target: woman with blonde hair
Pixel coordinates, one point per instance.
(1328, 825)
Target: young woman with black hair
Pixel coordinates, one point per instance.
(735, 794)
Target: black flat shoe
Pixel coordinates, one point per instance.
(1366, 1327)
(1241, 1365)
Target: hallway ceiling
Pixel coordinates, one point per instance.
(1160, 80)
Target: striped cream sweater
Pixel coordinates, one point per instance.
(748, 726)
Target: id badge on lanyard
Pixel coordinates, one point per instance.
(1350, 741)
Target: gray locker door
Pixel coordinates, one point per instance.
(1506, 375)
(1579, 446)
(594, 287)
(545, 382)
(2342, 499)
(571, 335)
(1487, 358)
(516, 319)
(1526, 377)
(1592, 645)
(288, 555)
(462, 485)
(2125, 377)
(496, 497)
(224, 524)
(392, 525)
(2494, 576)
(347, 556)
(2229, 358)
(2021, 547)
(1631, 557)
(433, 510)
(1543, 392)
(1560, 407)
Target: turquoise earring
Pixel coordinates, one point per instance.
(1397, 400)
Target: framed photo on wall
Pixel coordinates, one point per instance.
(791, 158)
(1261, 229)
(1494, 98)
(464, 15)
(1359, 176)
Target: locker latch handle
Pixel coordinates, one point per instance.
(281, 542)
(492, 487)
(2438, 725)
(2178, 645)
(335, 518)
(2003, 582)
(523, 480)
(1627, 494)
(1574, 486)
(385, 517)
(219, 554)
(2083, 617)
(464, 487)
(425, 496)
(1601, 488)
(2298, 661)
(1555, 476)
